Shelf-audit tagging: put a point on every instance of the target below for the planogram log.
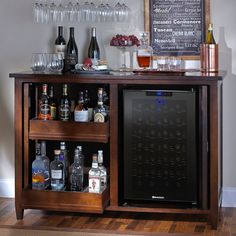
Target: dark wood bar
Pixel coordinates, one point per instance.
(28, 129)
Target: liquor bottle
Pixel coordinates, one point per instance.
(71, 52)
(100, 112)
(60, 44)
(102, 168)
(210, 37)
(93, 51)
(81, 155)
(81, 112)
(39, 174)
(65, 159)
(46, 163)
(88, 105)
(44, 109)
(144, 52)
(52, 104)
(64, 108)
(77, 173)
(57, 172)
(94, 176)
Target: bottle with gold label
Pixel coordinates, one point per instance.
(210, 37)
(52, 104)
(100, 112)
(44, 109)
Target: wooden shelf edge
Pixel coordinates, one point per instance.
(158, 210)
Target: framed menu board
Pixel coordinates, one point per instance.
(177, 27)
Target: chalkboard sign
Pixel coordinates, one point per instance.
(177, 27)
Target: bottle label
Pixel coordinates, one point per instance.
(99, 117)
(81, 116)
(64, 112)
(60, 49)
(71, 59)
(53, 113)
(44, 111)
(94, 184)
(56, 174)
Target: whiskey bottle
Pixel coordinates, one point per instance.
(44, 109)
(103, 169)
(64, 108)
(100, 112)
(52, 104)
(81, 112)
(210, 37)
(77, 173)
(38, 171)
(65, 159)
(94, 176)
(57, 172)
(88, 105)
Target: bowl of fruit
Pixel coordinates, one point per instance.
(124, 40)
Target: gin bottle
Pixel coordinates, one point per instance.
(94, 176)
(46, 164)
(77, 173)
(65, 159)
(57, 172)
(38, 171)
(102, 168)
(100, 112)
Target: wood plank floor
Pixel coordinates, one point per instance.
(110, 222)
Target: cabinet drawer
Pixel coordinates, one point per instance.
(69, 131)
(65, 201)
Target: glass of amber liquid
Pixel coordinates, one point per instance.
(144, 52)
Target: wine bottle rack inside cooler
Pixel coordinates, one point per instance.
(159, 158)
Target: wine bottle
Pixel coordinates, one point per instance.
(60, 45)
(93, 51)
(71, 52)
(210, 37)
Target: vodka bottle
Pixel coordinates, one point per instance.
(77, 173)
(94, 176)
(100, 112)
(46, 163)
(57, 172)
(64, 158)
(102, 168)
(81, 155)
(38, 171)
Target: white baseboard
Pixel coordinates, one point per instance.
(229, 197)
(7, 188)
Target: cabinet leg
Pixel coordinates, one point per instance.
(213, 221)
(19, 213)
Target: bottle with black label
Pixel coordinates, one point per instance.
(93, 51)
(60, 44)
(71, 52)
(64, 108)
(44, 109)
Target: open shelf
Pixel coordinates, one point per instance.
(68, 131)
(65, 200)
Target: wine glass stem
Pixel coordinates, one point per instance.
(123, 58)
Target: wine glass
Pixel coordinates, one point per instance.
(55, 62)
(38, 62)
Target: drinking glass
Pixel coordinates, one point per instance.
(55, 62)
(36, 12)
(78, 12)
(60, 12)
(70, 12)
(118, 12)
(38, 62)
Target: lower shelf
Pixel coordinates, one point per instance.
(65, 201)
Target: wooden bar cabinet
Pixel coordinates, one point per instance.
(28, 129)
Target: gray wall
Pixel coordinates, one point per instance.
(20, 37)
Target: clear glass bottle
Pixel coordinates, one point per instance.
(77, 173)
(46, 163)
(103, 169)
(81, 155)
(57, 173)
(94, 176)
(210, 37)
(65, 159)
(144, 52)
(39, 172)
(81, 112)
(65, 105)
(100, 112)
(44, 109)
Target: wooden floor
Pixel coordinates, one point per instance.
(109, 222)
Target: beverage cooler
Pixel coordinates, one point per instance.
(160, 141)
